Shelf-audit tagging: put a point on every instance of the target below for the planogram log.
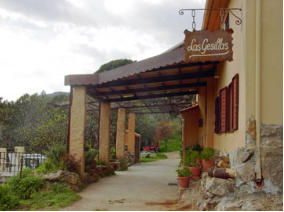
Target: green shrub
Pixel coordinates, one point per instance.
(26, 185)
(90, 157)
(183, 172)
(148, 156)
(100, 162)
(8, 200)
(46, 167)
(58, 187)
(56, 195)
(207, 153)
(197, 147)
(153, 157)
(191, 157)
(70, 164)
(161, 156)
(174, 144)
(56, 155)
(123, 165)
(112, 153)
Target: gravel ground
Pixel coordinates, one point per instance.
(143, 187)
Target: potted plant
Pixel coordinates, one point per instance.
(207, 156)
(193, 164)
(198, 148)
(183, 177)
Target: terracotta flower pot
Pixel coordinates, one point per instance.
(183, 182)
(195, 172)
(206, 164)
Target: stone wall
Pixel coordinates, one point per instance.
(272, 158)
(241, 192)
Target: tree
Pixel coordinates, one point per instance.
(163, 131)
(32, 122)
(113, 64)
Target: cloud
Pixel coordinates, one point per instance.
(42, 41)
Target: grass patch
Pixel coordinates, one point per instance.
(174, 144)
(153, 157)
(55, 196)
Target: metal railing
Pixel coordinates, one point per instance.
(12, 163)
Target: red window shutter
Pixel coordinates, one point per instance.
(224, 110)
(217, 116)
(230, 105)
(235, 109)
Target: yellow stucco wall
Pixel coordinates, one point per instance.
(244, 63)
(225, 72)
(271, 62)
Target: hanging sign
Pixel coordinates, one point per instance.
(203, 46)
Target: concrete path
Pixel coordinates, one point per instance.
(143, 187)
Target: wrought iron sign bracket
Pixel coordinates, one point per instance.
(223, 13)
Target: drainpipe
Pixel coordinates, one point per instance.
(257, 89)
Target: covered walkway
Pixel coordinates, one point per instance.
(165, 76)
(142, 187)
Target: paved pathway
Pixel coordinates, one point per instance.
(142, 187)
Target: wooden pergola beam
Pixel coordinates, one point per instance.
(148, 89)
(193, 75)
(151, 96)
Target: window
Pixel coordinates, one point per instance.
(227, 108)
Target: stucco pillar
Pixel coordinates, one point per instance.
(131, 132)
(104, 132)
(120, 133)
(77, 125)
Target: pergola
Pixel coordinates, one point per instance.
(162, 83)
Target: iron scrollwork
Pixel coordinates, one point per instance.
(238, 20)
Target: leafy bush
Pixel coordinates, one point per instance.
(197, 147)
(191, 157)
(54, 196)
(148, 156)
(70, 164)
(123, 165)
(56, 155)
(46, 167)
(90, 157)
(183, 172)
(173, 144)
(153, 157)
(26, 185)
(112, 153)
(100, 162)
(8, 200)
(161, 156)
(207, 153)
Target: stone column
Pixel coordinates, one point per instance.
(120, 133)
(77, 125)
(104, 132)
(131, 132)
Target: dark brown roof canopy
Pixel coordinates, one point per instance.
(165, 75)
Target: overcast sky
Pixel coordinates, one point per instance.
(41, 41)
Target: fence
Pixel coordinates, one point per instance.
(12, 163)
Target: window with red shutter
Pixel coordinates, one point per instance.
(235, 108)
(227, 108)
